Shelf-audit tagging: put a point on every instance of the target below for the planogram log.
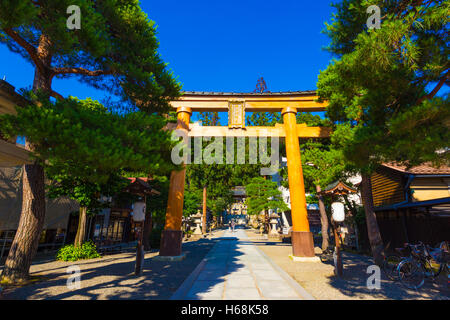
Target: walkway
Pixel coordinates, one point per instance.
(235, 269)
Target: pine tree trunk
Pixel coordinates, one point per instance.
(81, 231)
(31, 223)
(26, 240)
(373, 232)
(323, 220)
(204, 211)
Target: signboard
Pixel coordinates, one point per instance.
(236, 114)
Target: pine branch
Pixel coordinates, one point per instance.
(436, 89)
(32, 51)
(82, 71)
(56, 95)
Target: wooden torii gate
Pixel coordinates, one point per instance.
(236, 104)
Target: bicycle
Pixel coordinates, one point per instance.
(424, 262)
(391, 262)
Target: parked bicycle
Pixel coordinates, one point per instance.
(390, 264)
(423, 262)
(391, 261)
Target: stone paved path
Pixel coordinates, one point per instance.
(235, 269)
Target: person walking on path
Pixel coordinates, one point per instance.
(233, 224)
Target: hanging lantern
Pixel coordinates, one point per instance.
(338, 211)
(139, 211)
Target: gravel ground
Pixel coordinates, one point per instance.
(112, 276)
(319, 280)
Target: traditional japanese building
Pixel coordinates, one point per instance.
(11, 153)
(412, 204)
(114, 226)
(57, 214)
(238, 209)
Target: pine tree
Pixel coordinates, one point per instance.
(383, 86)
(115, 49)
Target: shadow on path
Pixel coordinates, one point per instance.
(112, 277)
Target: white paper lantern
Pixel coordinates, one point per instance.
(139, 211)
(338, 211)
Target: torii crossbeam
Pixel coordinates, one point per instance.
(236, 104)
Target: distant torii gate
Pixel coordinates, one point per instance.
(288, 103)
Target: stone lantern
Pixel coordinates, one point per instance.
(197, 220)
(273, 220)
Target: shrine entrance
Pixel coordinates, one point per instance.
(236, 104)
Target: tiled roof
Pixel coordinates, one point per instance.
(339, 186)
(281, 93)
(425, 168)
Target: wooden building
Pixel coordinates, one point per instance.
(412, 204)
(113, 226)
(57, 213)
(11, 153)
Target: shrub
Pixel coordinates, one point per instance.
(87, 250)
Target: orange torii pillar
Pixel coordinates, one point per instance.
(172, 235)
(302, 239)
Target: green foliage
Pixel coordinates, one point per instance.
(116, 41)
(217, 178)
(192, 200)
(219, 204)
(86, 149)
(209, 118)
(379, 87)
(83, 139)
(312, 199)
(263, 118)
(263, 194)
(322, 164)
(69, 252)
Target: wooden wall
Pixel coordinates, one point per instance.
(387, 187)
(412, 225)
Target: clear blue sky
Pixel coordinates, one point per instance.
(222, 46)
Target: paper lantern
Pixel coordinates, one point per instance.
(338, 211)
(139, 211)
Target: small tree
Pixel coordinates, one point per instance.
(262, 195)
(87, 194)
